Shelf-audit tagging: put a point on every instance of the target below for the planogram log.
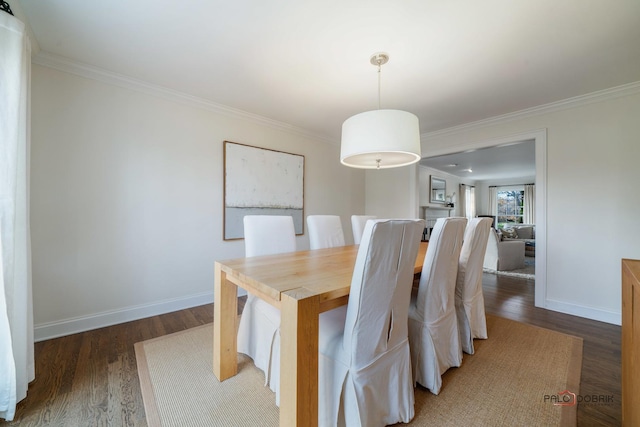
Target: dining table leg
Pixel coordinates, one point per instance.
(299, 329)
(225, 313)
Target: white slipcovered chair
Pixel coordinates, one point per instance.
(325, 231)
(469, 301)
(357, 225)
(259, 329)
(364, 363)
(433, 325)
(503, 255)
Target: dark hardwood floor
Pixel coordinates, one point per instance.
(91, 379)
(513, 298)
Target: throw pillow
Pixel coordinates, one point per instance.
(509, 233)
(524, 232)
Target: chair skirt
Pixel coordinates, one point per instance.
(258, 336)
(473, 322)
(435, 347)
(379, 394)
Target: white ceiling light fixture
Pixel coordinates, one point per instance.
(380, 139)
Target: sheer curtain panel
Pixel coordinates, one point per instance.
(468, 201)
(462, 204)
(16, 315)
(493, 203)
(529, 214)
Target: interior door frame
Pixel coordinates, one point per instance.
(540, 138)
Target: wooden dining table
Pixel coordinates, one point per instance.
(302, 285)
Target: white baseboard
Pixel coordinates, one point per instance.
(45, 331)
(586, 312)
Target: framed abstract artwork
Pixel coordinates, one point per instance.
(260, 181)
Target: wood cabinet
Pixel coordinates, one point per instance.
(630, 342)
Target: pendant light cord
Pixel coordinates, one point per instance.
(379, 61)
(379, 76)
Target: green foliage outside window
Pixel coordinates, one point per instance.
(510, 207)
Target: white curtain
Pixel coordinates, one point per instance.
(462, 205)
(468, 201)
(529, 214)
(493, 202)
(16, 315)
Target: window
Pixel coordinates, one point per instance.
(510, 202)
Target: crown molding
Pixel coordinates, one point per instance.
(63, 64)
(590, 98)
(66, 65)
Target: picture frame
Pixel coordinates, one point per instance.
(438, 190)
(261, 181)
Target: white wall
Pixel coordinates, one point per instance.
(126, 198)
(592, 202)
(392, 193)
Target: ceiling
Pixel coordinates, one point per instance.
(516, 160)
(306, 63)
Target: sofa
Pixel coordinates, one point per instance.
(503, 255)
(520, 232)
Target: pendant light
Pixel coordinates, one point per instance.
(380, 139)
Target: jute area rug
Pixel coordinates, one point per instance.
(513, 379)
